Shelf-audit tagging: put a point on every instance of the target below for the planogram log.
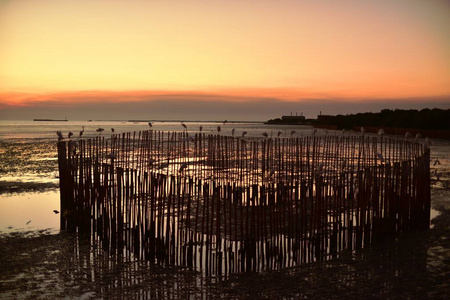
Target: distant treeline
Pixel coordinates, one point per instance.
(427, 119)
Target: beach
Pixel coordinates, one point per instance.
(37, 261)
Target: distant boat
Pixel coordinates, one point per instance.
(50, 120)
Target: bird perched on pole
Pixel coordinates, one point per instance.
(184, 125)
(244, 133)
(60, 136)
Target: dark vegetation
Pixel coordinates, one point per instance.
(411, 119)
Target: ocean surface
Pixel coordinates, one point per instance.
(39, 261)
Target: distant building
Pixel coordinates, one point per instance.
(324, 117)
(293, 118)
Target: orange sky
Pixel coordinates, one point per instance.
(287, 50)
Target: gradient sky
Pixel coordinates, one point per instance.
(62, 56)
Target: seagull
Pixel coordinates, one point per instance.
(438, 175)
(163, 165)
(60, 136)
(381, 131)
(111, 156)
(28, 222)
(320, 168)
(201, 128)
(70, 134)
(112, 130)
(293, 132)
(279, 133)
(272, 171)
(418, 136)
(100, 130)
(82, 131)
(244, 133)
(150, 124)
(184, 125)
(56, 211)
(218, 128)
(232, 132)
(265, 134)
(182, 167)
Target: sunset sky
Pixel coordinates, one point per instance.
(207, 60)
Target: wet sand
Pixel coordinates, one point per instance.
(48, 264)
(44, 265)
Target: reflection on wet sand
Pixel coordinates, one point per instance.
(44, 266)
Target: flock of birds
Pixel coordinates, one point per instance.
(381, 133)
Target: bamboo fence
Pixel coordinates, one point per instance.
(223, 204)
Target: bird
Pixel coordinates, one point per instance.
(407, 135)
(60, 136)
(293, 132)
(150, 124)
(56, 211)
(70, 134)
(244, 133)
(265, 134)
(100, 130)
(381, 131)
(436, 162)
(28, 222)
(111, 156)
(82, 131)
(438, 175)
(218, 129)
(232, 132)
(182, 167)
(418, 136)
(184, 125)
(279, 133)
(363, 130)
(272, 171)
(163, 165)
(201, 128)
(112, 130)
